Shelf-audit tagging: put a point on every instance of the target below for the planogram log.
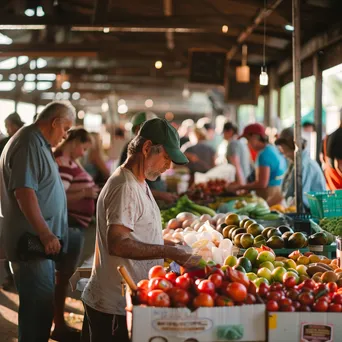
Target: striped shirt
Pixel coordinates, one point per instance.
(74, 179)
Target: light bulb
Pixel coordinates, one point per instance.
(263, 78)
(158, 64)
(224, 28)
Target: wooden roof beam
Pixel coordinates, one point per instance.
(264, 13)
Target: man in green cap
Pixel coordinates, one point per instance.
(129, 230)
(158, 187)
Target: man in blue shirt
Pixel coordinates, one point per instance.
(33, 200)
(312, 175)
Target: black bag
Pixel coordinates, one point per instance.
(30, 248)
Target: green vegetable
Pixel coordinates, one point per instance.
(189, 205)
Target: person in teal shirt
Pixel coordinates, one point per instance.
(270, 165)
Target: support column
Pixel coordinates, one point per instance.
(317, 69)
(267, 112)
(297, 128)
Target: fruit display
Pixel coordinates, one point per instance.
(261, 265)
(246, 232)
(257, 210)
(207, 191)
(332, 225)
(284, 210)
(184, 204)
(214, 287)
(323, 238)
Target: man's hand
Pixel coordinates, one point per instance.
(50, 242)
(168, 197)
(182, 255)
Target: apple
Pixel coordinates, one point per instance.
(156, 271)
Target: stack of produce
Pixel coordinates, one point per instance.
(184, 204)
(213, 287)
(207, 191)
(332, 225)
(246, 232)
(261, 265)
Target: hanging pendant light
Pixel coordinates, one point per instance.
(263, 78)
(243, 72)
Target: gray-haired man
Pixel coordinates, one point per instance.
(32, 199)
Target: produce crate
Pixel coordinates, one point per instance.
(328, 250)
(282, 251)
(304, 326)
(325, 203)
(272, 223)
(299, 222)
(157, 324)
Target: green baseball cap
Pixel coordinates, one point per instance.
(140, 118)
(160, 132)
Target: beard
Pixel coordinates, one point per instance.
(152, 175)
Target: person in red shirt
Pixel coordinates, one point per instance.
(81, 193)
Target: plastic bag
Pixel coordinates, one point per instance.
(225, 171)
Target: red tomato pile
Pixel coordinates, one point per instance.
(205, 191)
(307, 296)
(217, 288)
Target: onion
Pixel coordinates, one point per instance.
(220, 220)
(179, 230)
(178, 236)
(187, 223)
(205, 218)
(181, 217)
(198, 226)
(174, 224)
(188, 229)
(166, 231)
(193, 224)
(167, 236)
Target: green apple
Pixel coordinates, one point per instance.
(278, 264)
(291, 274)
(290, 264)
(301, 269)
(251, 276)
(268, 265)
(258, 281)
(278, 273)
(231, 260)
(266, 256)
(264, 272)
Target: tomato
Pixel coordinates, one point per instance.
(237, 291)
(219, 272)
(156, 271)
(274, 295)
(197, 281)
(158, 298)
(183, 282)
(285, 302)
(216, 279)
(143, 284)
(171, 276)
(250, 299)
(206, 286)
(304, 308)
(337, 298)
(296, 304)
(178, 296)
(203, 299)
(306, 298)
(290, 282)
(252, 289)
(223, 301)
(272, 305)
(292, 294)
(332, 287)
(276, 287)
(335, 307)
(142, 296)
(287, 308)
(159, 283)
(320, 306)
(263, 289)
(309, 283)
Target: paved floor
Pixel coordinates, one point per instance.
(9, 316)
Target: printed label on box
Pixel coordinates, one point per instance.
(316, 332)
(318, 248)
(186, 325)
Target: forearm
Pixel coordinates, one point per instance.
(253, 186)
(131, 249)
(28, 204)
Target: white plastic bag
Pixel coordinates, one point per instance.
(225, 171)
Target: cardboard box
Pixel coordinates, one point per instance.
(304, 326)
(152, 324)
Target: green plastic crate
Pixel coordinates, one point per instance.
(325, 203)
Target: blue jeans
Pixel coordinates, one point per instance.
(35, 282)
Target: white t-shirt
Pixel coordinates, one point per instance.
(122, 201)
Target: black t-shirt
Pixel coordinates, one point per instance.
(334, 145)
